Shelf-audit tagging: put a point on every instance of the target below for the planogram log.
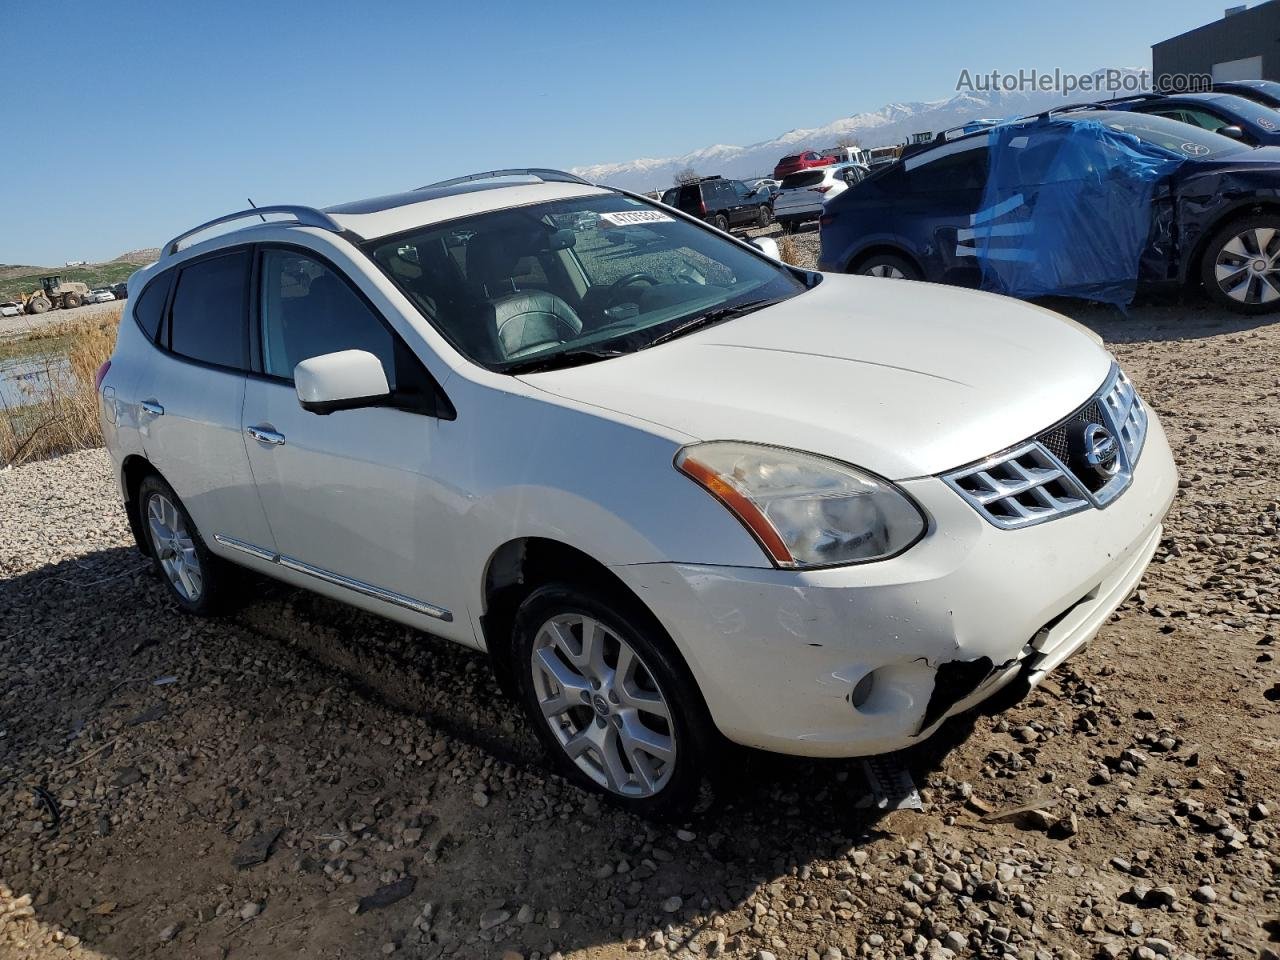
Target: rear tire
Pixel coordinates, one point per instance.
(1240, 267)
(720, 222)
(71, 301)
(194, 578)
(887, 265)
(610, 700)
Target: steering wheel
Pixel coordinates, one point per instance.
(616, 288)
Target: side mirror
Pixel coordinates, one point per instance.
(768, 246)
(1233, 131)
(340, 381)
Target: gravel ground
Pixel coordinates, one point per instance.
(241, 788)
(26, 323)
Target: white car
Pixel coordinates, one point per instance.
(10, 309)
(676, 489)
(802, 194)
(101, 295)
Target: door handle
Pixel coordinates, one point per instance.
(263, 435)
(153, 408)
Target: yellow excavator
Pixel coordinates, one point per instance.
(55, 294)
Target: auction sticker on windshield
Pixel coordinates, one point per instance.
(627, 218)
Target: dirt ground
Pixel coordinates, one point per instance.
(235, 789)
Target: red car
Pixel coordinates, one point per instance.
(801, 161)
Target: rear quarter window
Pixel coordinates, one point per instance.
(148, 309)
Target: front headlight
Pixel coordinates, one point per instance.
(805, 510)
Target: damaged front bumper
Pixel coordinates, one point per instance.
(860, 660)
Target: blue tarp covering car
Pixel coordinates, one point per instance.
(1084, 202)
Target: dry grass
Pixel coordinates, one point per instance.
(58, 412)
(788, 251)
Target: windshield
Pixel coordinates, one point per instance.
(1174, 135)
(574, 279)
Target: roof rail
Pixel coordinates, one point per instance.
(545, 174)
(306, 216)
(1134, 97)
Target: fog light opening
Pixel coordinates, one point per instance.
(862, 689)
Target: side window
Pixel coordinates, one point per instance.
(306, 310)
(740, 189)
(208, 319)
(148, 309)
(966, 170)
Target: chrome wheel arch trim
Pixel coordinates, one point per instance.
(337, 579)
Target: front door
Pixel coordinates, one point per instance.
(191, 396)
(349, 495)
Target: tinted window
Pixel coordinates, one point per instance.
(308, 310)
(806, 178)
(966, 170)
(148, 310)
(208, 318)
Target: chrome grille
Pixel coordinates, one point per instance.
(1049, 475)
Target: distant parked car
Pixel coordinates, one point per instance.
(847, 155)
(100, 295)
(931, 217)
(722, 203)
(1232, 116)
(10, 309)
(800, 161)
(121, 290)
(802, 194)
(765, 184)
(1259, 91)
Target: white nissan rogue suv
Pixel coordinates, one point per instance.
(675, 488)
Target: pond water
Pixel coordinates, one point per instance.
(26, 379)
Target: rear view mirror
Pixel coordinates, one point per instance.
(1234, 132)
(341, 381)
(768, 246)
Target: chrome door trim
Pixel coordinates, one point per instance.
(244, 547)
(368, 589)
(337, 579)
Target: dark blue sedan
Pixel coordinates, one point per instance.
(1085, 202)
(1259, 91)
(1246, 120)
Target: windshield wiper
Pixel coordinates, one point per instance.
(713, 317)
(569, 358)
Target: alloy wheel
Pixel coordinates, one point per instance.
(603, 705)
(174, 547)
(1247, 267)
(885, 270)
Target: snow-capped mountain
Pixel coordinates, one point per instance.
(892, 123)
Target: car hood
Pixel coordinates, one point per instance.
(900, 378)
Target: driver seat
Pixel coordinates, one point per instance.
(525, 321)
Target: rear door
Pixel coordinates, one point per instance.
(939, 195)
(191, 398)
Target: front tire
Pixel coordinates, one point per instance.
(766, 216)
(610, 700)
(195, 579)
(1240, 267)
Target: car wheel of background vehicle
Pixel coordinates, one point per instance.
(611, 701)
(194, 577)
(766, 216)
(70, 301)
(887, 265)
(720, 222)
(1240, 268)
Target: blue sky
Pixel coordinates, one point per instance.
(154, 116)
